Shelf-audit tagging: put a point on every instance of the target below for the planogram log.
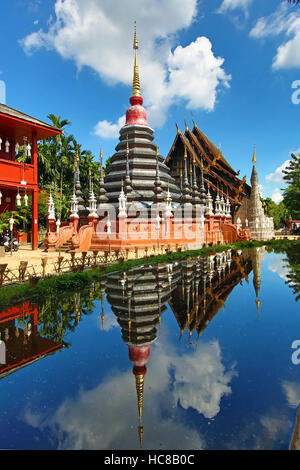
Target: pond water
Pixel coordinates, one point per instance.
(190, 355)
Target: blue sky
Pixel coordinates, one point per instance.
(235, 64)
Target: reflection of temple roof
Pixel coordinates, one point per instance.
(196, 311)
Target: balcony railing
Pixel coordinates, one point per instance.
(16, 173)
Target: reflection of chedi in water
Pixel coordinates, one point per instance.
(138, 300)
(194, 289)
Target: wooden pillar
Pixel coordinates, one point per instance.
(34, 231)
(34, 227)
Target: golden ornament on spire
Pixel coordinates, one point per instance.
(185, 153)
(136, 87)
(186, 126)
(127, 145)
(101, 154)
(254, 156)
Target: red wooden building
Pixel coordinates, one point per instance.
(17, 128)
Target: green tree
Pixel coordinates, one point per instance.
(291, 194)
(278, 212)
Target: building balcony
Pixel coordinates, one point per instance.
(18, 174)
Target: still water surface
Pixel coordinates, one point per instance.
(190, 355)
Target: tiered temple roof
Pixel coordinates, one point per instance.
(218, 174)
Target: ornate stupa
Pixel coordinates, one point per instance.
(261, 226)
(136, 158)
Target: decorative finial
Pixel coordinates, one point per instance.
(101, 154)
(185, 153)
(178, 130)
(193, 119)
(127, 145)
(135, 40)
(136, 87)
(254, 156)
(186, 126)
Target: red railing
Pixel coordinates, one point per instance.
(12, 173)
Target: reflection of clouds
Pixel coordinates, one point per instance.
(106, 417)
(292, 391)
(201, 380)
(279, 266)
(262, 433)
(110, 321)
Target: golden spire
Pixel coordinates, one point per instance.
(101, 155)
(254, 156)
(127, 145)
(139, 383)
(136, 88)
(157, 150)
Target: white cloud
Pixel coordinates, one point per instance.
(283, 21)
(93, 34)
(277, 195)
(2, 92)
(277, 176)
(108, 130)
(233, 5)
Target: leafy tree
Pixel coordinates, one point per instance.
(5, 218)
(56, 156)
(291, 194)
(278, 212)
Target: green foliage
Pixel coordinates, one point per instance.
(5, 217)
(279, 212)
(56, 156)
(291, 195)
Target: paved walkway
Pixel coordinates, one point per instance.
(34, 257)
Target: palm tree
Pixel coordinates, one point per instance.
(294, 1)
